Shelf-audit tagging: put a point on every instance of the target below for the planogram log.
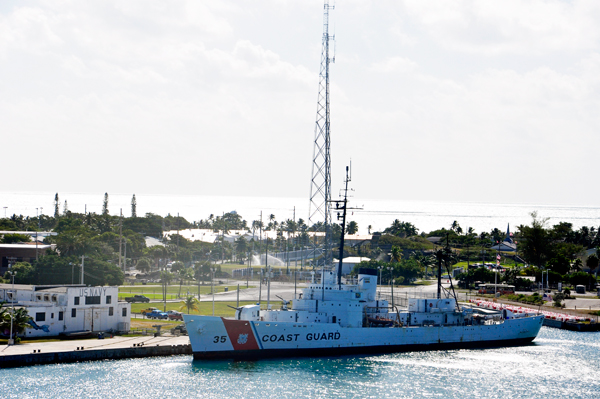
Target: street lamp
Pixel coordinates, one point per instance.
(393, 282)
(212, 271)
(269, 287)
(11, 341)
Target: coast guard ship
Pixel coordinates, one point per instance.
(339, 319)
(335, 318)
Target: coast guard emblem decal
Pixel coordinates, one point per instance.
(242, 339)
(240, 334)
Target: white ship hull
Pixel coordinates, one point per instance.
(217, 337)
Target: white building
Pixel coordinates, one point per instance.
(67, 309)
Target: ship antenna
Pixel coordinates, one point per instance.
(342, 206)
(444, 256)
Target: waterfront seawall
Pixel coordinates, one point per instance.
(90, 350)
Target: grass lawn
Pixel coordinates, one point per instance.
(154, 292)
(464, 264)
(204, 308)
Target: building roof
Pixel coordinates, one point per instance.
(25, 246)
(505, 246)
(355, 259)
(29, 233)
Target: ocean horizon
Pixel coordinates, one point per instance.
(377, 213)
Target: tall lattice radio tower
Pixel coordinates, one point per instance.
(319, 211)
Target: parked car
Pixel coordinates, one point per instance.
(157, 314)
(137, 298)
(179, 330)
(174, 315)
(149, 310)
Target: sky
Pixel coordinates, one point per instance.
(453, 100)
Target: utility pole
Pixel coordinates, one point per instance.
(36, 235)
(11, 341)
(82, 270)
(120, 238)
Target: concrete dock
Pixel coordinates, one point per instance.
(93, 349)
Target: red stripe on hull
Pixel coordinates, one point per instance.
(240, 334)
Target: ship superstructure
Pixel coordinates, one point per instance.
(332, 319)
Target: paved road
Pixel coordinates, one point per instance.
(588, 301)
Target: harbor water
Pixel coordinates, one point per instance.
(559, 364)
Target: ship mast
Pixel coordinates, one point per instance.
(342, 206)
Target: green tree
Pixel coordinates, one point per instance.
(105, 205)
(352, 227)
(396, 254)
(133, 207)
(56, 206)
(183, 274)
(20, 321)
(165, 279)
(190, 303)
(241, 247)
(535, 244)
(14, 238)
(144, 265)
(24, 272)
(592, 262)
(401, 229)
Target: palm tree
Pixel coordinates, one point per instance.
(183, 274)
(352, 227)
(20, 321)
(165, 279)
(396, 254)
(190, 302)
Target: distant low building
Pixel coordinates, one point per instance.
(508, 245)
(68, 309)
(349, 263)
(21, 252)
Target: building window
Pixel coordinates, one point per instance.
(60, 316)
(92, 300)
(76, 300)
(108, 299)
(51, 315)
(124, 312)
(110, 311)
(73, 312)
(40, 316)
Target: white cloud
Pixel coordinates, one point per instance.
(443, 94)
(395, 64)
(509, 27)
